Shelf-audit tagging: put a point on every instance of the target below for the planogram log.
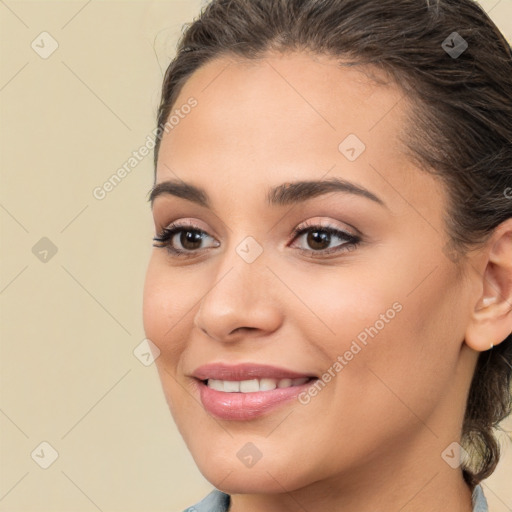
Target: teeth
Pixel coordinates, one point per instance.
(267, 384)
(284, 383)
(231, 386)
(248, 386)
(218, 385)
(253, 385)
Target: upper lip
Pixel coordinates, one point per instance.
(245, 371)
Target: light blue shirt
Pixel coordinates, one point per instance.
(217, 501)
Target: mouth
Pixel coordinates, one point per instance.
(247, 391)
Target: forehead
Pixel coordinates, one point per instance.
(284, 117)
(300, 78)
(318, 92)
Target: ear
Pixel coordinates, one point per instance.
(491, 318)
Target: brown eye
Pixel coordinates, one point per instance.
(188, 238)
(319, 238)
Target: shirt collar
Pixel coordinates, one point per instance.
(479, 501)
(218, 501)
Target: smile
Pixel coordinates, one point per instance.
(253, 385)
(247, 391)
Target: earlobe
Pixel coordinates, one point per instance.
(491, 319)
(490, 325)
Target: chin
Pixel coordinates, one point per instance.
(267, 476)
(247, 481)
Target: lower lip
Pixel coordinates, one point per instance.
(246, 406)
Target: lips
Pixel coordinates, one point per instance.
(246, 391)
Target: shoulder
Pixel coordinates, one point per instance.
(216, 501)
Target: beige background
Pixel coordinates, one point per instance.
(70, 324)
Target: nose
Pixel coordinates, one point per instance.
(242, 301)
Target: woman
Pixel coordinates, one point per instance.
(331, 284)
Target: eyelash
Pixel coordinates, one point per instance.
(163, 240)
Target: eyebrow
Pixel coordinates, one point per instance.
(282, 195)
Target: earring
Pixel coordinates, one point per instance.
(492, 345)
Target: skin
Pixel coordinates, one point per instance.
(372, 438)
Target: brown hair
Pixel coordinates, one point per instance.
(461, 118)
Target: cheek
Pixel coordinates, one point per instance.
(398, 341)
(409, 362)
(343, 305)
(164, 311)
(164, 318)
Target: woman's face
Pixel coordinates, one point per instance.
(374, 312)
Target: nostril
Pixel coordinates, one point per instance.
(244, 328)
